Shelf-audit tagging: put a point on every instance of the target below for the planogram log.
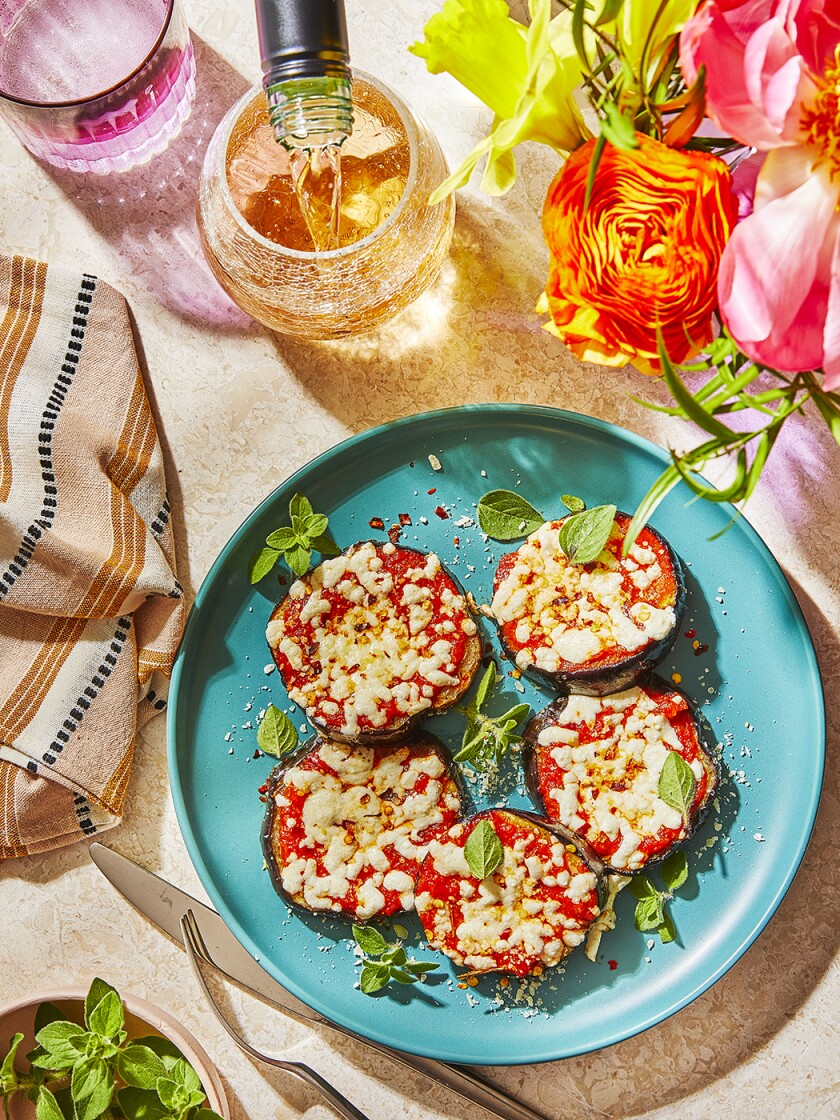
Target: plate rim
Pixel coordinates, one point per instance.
(548, 413)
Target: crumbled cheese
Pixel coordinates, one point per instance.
(575, 611)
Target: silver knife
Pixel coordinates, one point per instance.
(164, 905)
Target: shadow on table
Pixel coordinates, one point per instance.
(147, 214)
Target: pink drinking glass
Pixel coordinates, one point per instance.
(95, 86)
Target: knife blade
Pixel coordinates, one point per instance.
(164, 905)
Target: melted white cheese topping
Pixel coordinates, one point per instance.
(370, 656)
(505, 912)
(351, 816)
(636, 741)
(576, 612)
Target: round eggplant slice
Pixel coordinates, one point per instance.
(595, 764)
(589, 628)
(346, 828)
(525, 916)
(370, 642)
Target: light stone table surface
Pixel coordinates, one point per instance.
(239, 410)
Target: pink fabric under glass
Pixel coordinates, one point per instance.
(126, 124)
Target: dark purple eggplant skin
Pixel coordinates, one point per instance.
(422, 739)
(709, 756)
(601, 680)
(403, 729)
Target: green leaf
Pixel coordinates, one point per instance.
(485, 686)
(139, 1066)
(578, 18)
(46, 1106)
(89, 1075)
(675, 870)
(300, 507)
(172, 1095)
(650, 913)
(483, 851)
(184, 1074)
(370, 941)
(140, 1104)
(276, 734)
(690, 408)
(642, 888)
(315, 525)
(261, 563)
(829, 409)
(618, 129)
(207, 1114)
(395, 955)
(584, 535)
(420, 967)
(573, 504)
(167, 1051)
(96, 993)
(8, 1074)
(298, 559)
(506, 516)
(281, 539)
(514, 715)
(325, 545)
(64, 1042)
(677, 784)
(609, 12)
(667, 931)
(107, 1018)
(403, 977)
(400, 931)
(374, 977)
(47, 1013)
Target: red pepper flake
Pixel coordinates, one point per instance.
(613, 965)
(700, 649)
(263, 788)
(442, 513)
(691, 633)
(394, 534)
(456, 541)
(432, 491)
(411, 464)
(257, 754)
(405, 518)
(281, 579)
(376, 523)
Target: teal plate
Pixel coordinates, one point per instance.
(772, 735)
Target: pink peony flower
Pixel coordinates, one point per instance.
(773, 83)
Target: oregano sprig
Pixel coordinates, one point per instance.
(506, 516)
(677, 785)
(295, 543)
(650, 907)
(487, 739)
(584, 534)
(384, 961)
(91, 1071)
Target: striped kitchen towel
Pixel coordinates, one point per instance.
(91, 611)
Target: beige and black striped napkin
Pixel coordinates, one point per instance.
(91, 611)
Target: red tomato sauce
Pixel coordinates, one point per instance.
(398, 563)
(446, 889)
(661, 592)
(674, 707)
(289, 835)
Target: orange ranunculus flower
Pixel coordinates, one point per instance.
(642, 256)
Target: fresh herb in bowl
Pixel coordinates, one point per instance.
(94, 1069)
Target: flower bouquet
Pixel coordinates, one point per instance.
(694, 225)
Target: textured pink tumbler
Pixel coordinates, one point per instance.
(95, 86)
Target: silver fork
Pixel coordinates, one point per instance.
(196, 949)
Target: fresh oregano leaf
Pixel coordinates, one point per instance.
(184, 1074)
(675, 870)
(403, 977)
(485, 686)
(487, 739)
(261, 563)
(583, 535)
(276, 734)
(139, 1066)
(505, 516)
(483, 851)
(96, 993)
(325, 545)
(47, 1013)
(89, 1076)
(140, 1104)
(46, 1106)
(677, 785)
(8, 1074)
(281, 539)
(650, 912)
(64, 1044)
(374, 977)
(315, 525)
(667, 931)
(300, 507)
(400, 931)
(298, 558)
(573, 504)
(642, 888)
(107, 1018)
(370, 941)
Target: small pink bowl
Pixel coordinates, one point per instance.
(142, 1018)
